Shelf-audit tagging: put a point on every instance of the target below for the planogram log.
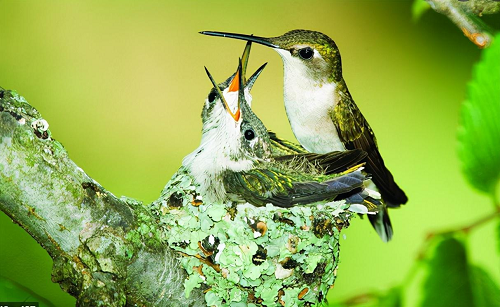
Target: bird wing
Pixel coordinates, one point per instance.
(281, 147)
(329, 163)
(262, 185)
(355, 132)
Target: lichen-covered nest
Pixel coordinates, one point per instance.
(242, 255)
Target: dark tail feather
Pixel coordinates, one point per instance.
(392, 194)
(382, 224)
(380, 221)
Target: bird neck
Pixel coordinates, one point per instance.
(218, 152)
(309, 103)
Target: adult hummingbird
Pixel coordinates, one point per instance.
(235, 161)
(322, 112)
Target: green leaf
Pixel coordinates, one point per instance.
(11, 291)
(479, 132)
(448, 282)
(486, 291)
(418, 8)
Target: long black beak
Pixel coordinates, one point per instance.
(256, 39)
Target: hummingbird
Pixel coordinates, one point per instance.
(235, 161)
(322, 112)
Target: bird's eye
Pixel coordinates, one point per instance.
(306, 53)
(249, 134)
(211, 96)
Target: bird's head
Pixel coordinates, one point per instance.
(231, 123)
(228, 90)
(312, 53)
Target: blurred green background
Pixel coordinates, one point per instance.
(121, 84)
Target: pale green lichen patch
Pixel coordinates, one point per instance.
(146, 233)
(245, 255)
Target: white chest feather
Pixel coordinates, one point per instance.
(307, 104)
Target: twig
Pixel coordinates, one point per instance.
(360, 299)
(462, 14)
(464, 229)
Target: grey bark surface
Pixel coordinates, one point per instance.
(106, 250)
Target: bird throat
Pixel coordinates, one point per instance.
(217, 153)
(308, 105)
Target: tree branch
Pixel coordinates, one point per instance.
(462, 13)
(101, 255)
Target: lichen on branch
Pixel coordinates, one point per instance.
(239, 253)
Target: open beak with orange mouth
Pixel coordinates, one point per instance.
(236, 114)
(238, 83)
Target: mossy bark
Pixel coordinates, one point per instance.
(106, 250)
(476, 7)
